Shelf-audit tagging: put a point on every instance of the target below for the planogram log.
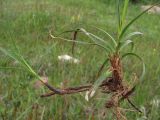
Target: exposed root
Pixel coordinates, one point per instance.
(68, 91)
(112, 85)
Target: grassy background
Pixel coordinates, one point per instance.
(28, 24)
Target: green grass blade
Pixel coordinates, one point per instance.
(21, 60)
(105, 43)
(132, 34)
(10, 54)
(80, 42)
(68, 40)
(118, 16)
(97, 42)
(137, 56)
(124, 12)
(17, 51)
(125, 44)
(132, 21)
(98, 38)
(25, 113)
(30, 69)
(110, 36)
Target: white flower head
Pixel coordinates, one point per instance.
(67, 58)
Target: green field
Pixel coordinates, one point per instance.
(28, 23)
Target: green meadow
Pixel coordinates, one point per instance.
(27, 23)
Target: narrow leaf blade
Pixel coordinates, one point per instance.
(137, 56)
(125, 44)
(133, 20)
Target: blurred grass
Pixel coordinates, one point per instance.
(28, 24)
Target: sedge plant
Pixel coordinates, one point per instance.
(112, 81)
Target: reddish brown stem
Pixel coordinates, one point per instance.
(69, 91)
(74, 38)
(73, 90)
